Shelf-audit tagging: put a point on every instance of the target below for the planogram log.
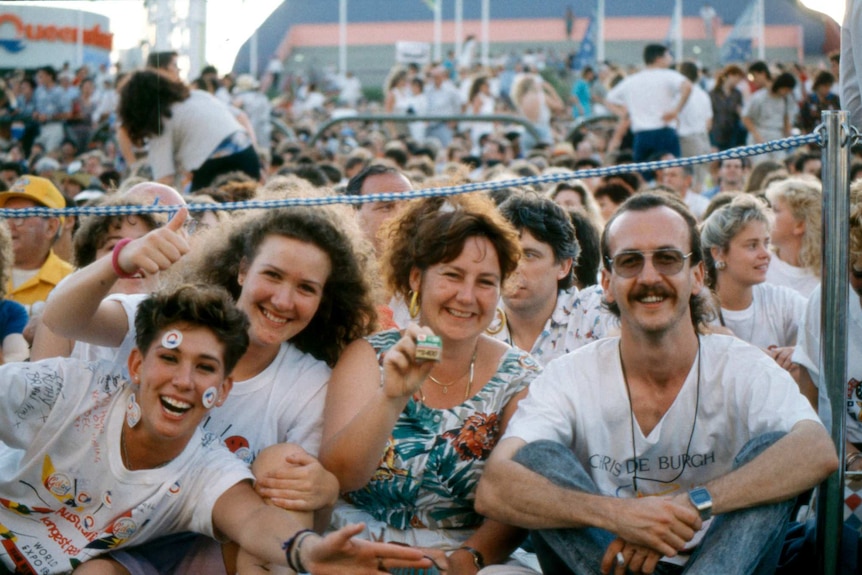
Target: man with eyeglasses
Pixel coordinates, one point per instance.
(37, 268)
(625, 449)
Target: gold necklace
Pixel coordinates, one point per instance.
(446, 386)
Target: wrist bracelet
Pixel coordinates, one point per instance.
(852, 458)
(478, 559)
(291, 549)
(115, 260)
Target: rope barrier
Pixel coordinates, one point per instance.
(816, 137)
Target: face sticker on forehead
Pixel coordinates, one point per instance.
(172, 339)
(209, 397)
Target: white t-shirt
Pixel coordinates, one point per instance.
(662, 86)
(580, 401)
(696, 203)
(696, 114)
(117, 356)
(195, 129)
(768, 113)
(578, 319)
(800, 280)
(283, 403)
(62, 421)
(772, 318)
(807, 354)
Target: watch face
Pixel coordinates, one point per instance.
(700, 497)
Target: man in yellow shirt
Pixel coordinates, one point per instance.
(37, 269)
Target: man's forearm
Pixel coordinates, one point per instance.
(776, 474)
(515, 495)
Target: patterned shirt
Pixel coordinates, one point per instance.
(428, 473)
(578, 319)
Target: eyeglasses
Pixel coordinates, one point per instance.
(666, 261)
(16, 220)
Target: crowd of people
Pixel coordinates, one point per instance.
(604, 374)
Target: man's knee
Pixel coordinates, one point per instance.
(557, 463)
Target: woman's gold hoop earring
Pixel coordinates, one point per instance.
(413, 306)
(499, 323)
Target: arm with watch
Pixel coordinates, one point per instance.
(491, 544)
(773, 476)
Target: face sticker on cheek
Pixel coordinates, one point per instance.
(172, 339)
(209, 398)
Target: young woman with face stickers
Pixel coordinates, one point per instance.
(408, 438)
(95, 462)
(736, 252)
(302, 283)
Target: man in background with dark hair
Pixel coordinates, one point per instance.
(656, 446)
(376, 179)
(732, 173)
(543, 312)
(652, 99)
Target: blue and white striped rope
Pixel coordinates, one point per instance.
(817, 137)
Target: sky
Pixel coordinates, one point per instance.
(832, 8)
(225, 32)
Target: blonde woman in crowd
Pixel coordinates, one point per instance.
(796, 238)
(736, 252)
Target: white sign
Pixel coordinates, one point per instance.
(407, 52)
(31, 36)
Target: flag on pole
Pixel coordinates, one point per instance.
(675, 26)
(737, 47)
(587, 50)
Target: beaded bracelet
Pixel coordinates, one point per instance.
(478, 559)
(852, 458)
(115, 260)
(291, 549)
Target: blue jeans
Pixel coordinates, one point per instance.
(650, 144)
(740, 542)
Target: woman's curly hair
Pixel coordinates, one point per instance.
(804, 199)
(347, 309)
(146, 98)
(434, 230)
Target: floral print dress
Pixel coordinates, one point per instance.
(423, 490)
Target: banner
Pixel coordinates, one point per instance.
(737, 47)
(587, 50)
